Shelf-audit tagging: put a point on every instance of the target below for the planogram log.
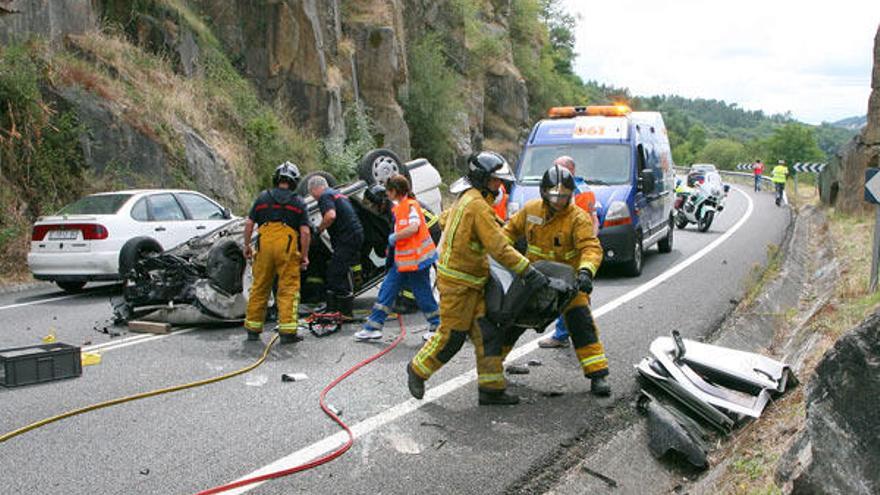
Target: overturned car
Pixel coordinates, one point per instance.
(206, 279)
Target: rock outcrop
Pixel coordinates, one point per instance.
(21, 20)
(840, 450)
(842, 182)
(285, 49)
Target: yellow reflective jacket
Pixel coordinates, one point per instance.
(566, 237)
(471, 234)
(780, 172)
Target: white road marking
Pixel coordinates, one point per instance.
(40, 301)
(136, 339)
(435, 393)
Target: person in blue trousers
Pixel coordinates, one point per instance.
(414, 254)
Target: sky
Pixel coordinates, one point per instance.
(811, 58)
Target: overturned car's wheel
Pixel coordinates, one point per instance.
(380, 164)
(303, 188)
(225, 266)
(71, 286)
(135, 250)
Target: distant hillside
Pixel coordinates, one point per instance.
(852, 123)
(725, 134)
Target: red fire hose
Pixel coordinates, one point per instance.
(332, 455)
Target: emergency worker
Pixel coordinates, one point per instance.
(339, 219)
(585, 199)
(780, 174)
(413, 253)
(557, 230)
(500, 203)
(471, 234)
(282, 249)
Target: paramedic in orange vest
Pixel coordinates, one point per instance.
(586, 200)
(500, 204)
(414, 253)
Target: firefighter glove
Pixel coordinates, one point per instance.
(585, 281)
(535, 279)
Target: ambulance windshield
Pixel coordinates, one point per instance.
(598, 164)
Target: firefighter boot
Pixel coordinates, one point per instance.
(415, 383)
(600, 386)
(345, 305)
(253, 336)
(331, 306)
(497, 398)
(290, 338)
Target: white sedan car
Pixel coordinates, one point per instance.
(102, 235)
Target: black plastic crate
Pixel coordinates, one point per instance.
(39, 363)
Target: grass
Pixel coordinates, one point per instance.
(755, 451)
(761, 275)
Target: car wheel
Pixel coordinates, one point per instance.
(665, 244)
(633, 267)
(225, 266)
(71, 286)
(303, 188)
(380, 164)
(135, 250)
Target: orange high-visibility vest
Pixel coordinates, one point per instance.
(500, 205)
(586, 201)
(413, 251)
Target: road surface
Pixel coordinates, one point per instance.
(196, 439)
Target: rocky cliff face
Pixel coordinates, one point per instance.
(309, 60)
(49, 19)
(842, 182)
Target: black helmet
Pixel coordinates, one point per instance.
(485, 165)
(288, 172)
(557, 188)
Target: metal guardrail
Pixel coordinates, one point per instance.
(747, 175)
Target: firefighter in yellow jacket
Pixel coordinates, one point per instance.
(555, 229)
(471, 234)
(283, 248)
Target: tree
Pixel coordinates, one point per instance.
(725, 153)
(793, 143)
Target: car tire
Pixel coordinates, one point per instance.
(135, 250)
(72, 286)
(380, 164)
(665, 244)
(303, 188)
(225, 266)
(633, 267)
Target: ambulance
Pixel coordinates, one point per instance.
(625, 158)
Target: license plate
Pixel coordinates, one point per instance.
(63, 235)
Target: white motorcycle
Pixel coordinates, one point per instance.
(699, 204)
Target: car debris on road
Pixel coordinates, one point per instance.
(690, 385)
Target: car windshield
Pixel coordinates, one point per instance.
(98, 204)
(601, 163)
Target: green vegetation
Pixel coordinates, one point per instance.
(434, 102)
(341, 154)
(542, 35)
(713, 131)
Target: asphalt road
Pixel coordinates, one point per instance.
(196, 439)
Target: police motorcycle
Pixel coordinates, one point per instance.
(699, 203)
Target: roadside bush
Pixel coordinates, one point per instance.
(39, 146)
(341, 154)
(434, 104)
